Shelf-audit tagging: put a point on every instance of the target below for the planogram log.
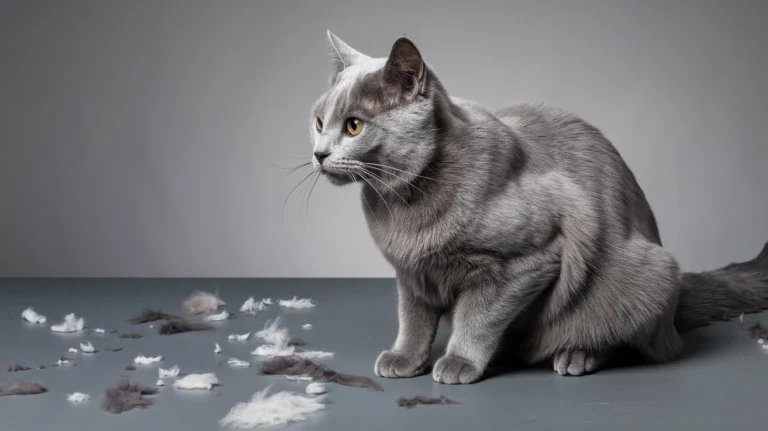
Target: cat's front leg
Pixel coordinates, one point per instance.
(477, 331)
(418, 321)
(482, 314)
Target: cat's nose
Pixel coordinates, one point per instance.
(320, 156)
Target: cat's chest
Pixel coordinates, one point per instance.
(404, 241)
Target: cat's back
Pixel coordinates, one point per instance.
(559, 135)
(544, 123)
(577, 149)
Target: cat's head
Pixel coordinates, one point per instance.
(376, 123)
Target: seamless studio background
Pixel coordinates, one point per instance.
(151, 139)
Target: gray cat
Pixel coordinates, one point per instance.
(523, 227)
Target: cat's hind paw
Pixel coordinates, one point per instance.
(455, 370)
(576, 363)
(392, 364)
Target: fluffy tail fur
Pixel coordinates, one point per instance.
(724, 293)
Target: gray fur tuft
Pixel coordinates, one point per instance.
(22, 388)
(298, 366)
(125, 396)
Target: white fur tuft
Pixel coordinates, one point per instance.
(297, 303)
(224, 315)
(71, 323)
(299, 378)
(234, 362)
(273, 333)
(78, 397)
(251, 306)
(316, 388)
(276, 409)
(278, 339)
(145, 360)
(63, 363)
(202, 303)
(272, 350)
(197, 381)
(170, 372)
(30, 315)
(239, 337)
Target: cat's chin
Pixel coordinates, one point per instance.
(337, 179)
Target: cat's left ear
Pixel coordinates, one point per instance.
(342, 55)
(405, 67)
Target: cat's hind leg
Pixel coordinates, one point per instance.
(628, 303)
(577, 362)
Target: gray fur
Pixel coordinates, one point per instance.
(125, 396)
(18, 367)
(424, 400)
(178, 326)
(524, 227)
(131, 335)
(298, 366)
(22, 388)
(151, 315)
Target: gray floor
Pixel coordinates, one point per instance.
(719, 384)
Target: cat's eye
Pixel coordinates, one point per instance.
(353, 126)
(318, 125)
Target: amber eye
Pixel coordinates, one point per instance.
(354, 126)
(319, 124)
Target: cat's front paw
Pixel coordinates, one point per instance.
(455, 370)
(392, 364)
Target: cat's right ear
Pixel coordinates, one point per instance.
(342, 55)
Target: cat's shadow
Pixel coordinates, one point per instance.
(696, 344)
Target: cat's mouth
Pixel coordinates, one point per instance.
(335, 177)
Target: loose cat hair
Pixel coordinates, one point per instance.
(425, 400)
(18, 367)
(300, 366)
(150, 315)
(524, 226)
(22, 388)
(757, 330)
(201, 302)
(131, 335)
(125, 396)
(179, 326)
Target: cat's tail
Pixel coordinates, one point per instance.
(724, 293)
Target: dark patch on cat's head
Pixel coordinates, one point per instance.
(402, 78)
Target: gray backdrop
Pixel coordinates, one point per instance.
(150, 138)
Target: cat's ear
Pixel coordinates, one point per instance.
(342, 55)
(405, 67)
